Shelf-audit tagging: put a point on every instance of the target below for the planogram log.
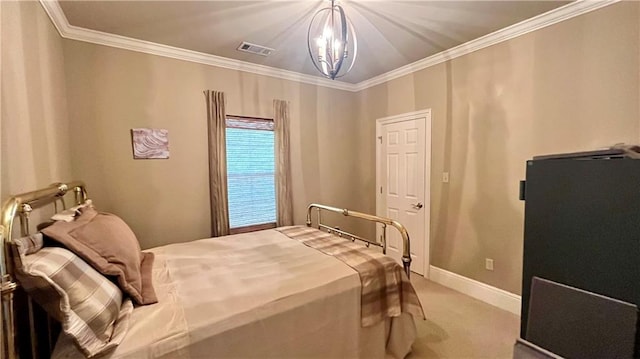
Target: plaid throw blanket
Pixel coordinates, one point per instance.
(386, 290)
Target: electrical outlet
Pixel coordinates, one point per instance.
(488, 264)
(445, 177)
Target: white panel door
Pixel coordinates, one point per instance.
(403, 186)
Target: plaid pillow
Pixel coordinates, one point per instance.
(89, 306)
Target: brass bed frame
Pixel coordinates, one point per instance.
(22, 206)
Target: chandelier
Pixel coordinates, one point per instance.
(331, 41)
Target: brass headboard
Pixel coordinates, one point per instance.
(22, 205)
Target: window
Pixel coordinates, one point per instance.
(250, 174)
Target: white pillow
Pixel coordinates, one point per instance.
(69, 215)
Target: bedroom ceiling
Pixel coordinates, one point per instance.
(390, 34)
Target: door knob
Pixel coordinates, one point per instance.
(417, 205)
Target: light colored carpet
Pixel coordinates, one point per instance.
(459, 326)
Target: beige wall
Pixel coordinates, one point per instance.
(569, 87)
(34, 129)
(111, 91)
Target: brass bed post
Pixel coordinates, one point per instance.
(8, 286)
(406, 250)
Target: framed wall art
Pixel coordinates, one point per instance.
(150, 143)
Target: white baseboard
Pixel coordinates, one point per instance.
(481, 291)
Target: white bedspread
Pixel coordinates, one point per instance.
(258, 294)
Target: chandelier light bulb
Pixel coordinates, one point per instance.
(327, 32)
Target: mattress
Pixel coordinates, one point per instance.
(258, 294)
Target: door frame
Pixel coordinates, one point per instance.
(427, 169)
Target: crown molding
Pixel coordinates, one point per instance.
(551, 17)
(68, 31)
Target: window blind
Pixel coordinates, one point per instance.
(250, 172)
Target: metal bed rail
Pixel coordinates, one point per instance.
(406, 243)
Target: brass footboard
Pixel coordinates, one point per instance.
(406, 251)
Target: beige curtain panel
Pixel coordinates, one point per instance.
(284, 194)
(216, 120)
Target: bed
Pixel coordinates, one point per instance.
(284, 292)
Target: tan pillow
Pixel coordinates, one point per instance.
(109, 245)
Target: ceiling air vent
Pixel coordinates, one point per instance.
(255, 49)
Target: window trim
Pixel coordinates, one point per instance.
(252, 228)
